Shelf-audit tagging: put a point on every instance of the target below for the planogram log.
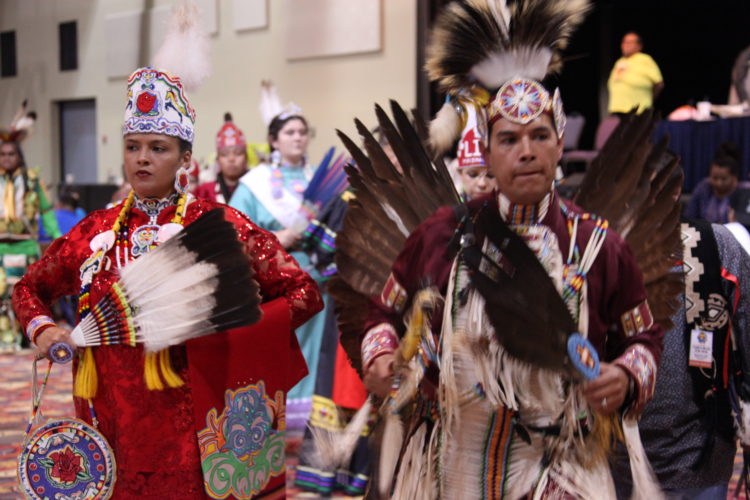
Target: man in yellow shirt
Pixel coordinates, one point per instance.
(635, 80)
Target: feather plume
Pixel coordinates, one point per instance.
(491, 42)
(21, 126)
(270, 102)
(445, 128)
(198, 282)
(185, 51)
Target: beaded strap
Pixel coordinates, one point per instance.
(37, 325)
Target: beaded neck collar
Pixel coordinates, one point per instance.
(516, 213)
(153, 206)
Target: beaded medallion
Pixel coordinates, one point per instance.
(66, 458)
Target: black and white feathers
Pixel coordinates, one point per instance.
(21, 126)
(492, 41)
(196, 283)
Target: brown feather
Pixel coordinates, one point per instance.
(387, 206)
(632, 183)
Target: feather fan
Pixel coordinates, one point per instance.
(390, 201)
(633, 184)
(196, 283)
(520, 298)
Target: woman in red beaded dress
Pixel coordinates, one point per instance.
(151, 431)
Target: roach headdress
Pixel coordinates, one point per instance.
(492, 54)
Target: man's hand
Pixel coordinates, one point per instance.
(606, 393)
(379, 375)
(288, 238)
(51, 336)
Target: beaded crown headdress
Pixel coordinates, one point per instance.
(491, 55)
(157, 95)
(158, 104)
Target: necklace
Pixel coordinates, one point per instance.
(145, 238)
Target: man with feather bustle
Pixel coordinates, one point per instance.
(490, 305)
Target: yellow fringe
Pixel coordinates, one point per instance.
(151, 372)
(419, 319)
(86, 382)
(607, 431)
(158, 366)
(170, 376)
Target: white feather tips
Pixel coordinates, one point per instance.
(445, 128)
(645, 484)
(174, 304)
(743, 430)
(334, 449)
(185, 51)
(501, 13)
(499, 67)
(270, 102)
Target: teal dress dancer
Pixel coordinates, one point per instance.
(271, 195)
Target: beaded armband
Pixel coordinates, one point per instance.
(37, 325)
(637, 320)
(639, 363)
(379, 340)
(394, 295)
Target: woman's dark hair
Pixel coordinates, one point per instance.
(19, 152)
(278, 123)
(185, 145)
(728, 156)
(68, 195)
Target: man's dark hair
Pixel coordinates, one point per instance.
(637, 35)
(728, 156)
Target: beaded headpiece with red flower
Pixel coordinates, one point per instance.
(491, 55)
(157, 104)
(230, 135)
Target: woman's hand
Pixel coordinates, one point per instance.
(606, 393)
(379, 375)
(288, 238)
(52, 336)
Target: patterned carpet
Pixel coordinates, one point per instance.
(15, 406)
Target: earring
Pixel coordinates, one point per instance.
(182, 181)
(275, 158)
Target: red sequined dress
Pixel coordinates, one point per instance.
(152, 432)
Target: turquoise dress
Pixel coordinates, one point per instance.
(259, 206)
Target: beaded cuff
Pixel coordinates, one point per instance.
(637, 320)
(394, 295)
(639, 363)
(37, 325)
(379, 340)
